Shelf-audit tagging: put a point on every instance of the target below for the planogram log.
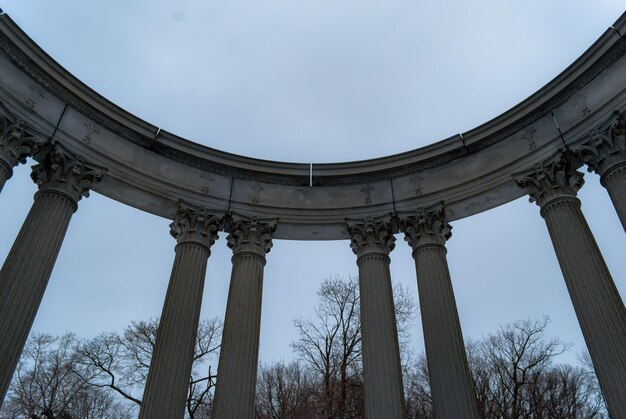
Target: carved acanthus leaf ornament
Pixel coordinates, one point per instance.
(15, 144)
(196, 225)
(427, 227)
(555, 179)
(371, 236)
(64, 173)
(606, 147)
(250, 235)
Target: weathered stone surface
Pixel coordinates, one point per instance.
(15, 146)
(372, 240)
(63, 180)
(450, 379)
(605, 154)
(597, 302)
(167, 386)
(250, 240)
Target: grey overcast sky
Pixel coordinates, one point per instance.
(312, 81)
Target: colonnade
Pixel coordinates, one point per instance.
(63, 179)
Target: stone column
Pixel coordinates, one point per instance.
(15, 147)
(450, 378)
(599, 308)
(235, 390)
(605, 154)
(372, 241)
(167, 386)
(63, 180)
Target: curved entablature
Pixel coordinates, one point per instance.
(153, 170)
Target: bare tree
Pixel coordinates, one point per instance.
(419, 403)
(95, 403)
(564, 392)
(592, 380)
(120, 362)
(516, 357)
(285, 391)
(330, 344)
(514, 377)
(45, 385)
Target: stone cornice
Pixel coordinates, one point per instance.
(26, 55)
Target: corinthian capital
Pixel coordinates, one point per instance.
(606, 147)
(370, 236)
(61, 172)
(426, 227)
(195, 225)
(556, 179)
(250, 235)
(15, 144)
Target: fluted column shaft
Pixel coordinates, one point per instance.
(450, 378)
(382, 372)
(597, 303)
(168, 381)
(25, 273)
(167, 386)
(615, 184)
(62, 180)
(239, 353)
(240, 342)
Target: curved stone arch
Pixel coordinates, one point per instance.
(152, 169)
